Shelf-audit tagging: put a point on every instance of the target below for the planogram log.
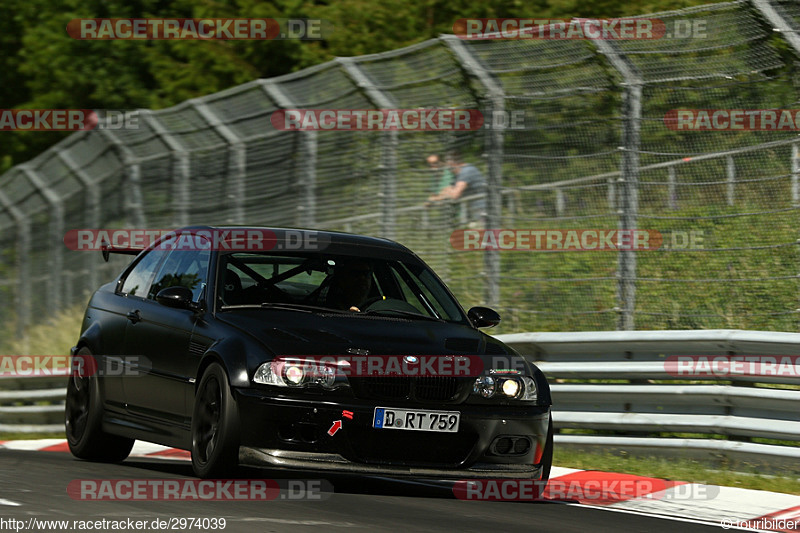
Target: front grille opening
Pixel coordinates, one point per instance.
(510, 445)
(422, 389)
(436, 388)
(298, 432)
(387, 388)
(410, 448)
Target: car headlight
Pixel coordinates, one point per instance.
(298, 373)
(485, 386)
(514, 387)
(511, 387)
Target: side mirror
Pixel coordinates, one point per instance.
(483, 317)
(178, 296)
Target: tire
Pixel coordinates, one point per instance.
(215, 426)
(547, 454)
(83, 417)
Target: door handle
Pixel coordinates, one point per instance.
(134, 316)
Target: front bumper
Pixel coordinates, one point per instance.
(302, 434)
(329, 462)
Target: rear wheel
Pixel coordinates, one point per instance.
(84, 416)
(215, 426)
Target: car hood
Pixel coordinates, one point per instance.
(302, 333)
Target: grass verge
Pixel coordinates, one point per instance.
(675, 469)
(54, 337)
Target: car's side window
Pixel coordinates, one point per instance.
(188, 268)
(138, 280)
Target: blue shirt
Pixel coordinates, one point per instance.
(476, 184)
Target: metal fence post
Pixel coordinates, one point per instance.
(672, 193)
(133, 204)
(56, 237)
(789, 32)
(778, 23)
(388, 164)
(629, 204)
(796, 203)
(307, 156)
(795, 174)
(612, 194)
(629, 201)
(237, 160)
(181, 170)
(561, 202)
(495, 148)
(731, 173)
(92, 215)
(23, 293)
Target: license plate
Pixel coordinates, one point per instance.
(414, 420)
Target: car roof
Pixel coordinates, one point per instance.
(334, 240)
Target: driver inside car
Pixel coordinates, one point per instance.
(350, 286)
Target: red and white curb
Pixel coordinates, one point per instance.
(732, 508)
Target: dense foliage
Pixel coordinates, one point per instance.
(44, 68)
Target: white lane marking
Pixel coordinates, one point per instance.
(31, 444)
(296, 522)
(145, 448)
(3, 501)
(663, 517)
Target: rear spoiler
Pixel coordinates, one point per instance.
(108, 249)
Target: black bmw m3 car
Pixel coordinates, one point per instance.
(305, 350)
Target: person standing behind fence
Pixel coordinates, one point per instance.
(443, 177)
(468, 181)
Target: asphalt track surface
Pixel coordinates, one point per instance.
(37, 482)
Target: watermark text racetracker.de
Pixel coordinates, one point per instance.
(630, 28)
(218, 239)
(82, 365)
(377, 119)
(589, 239)
(733, 119)
(67, 119)
(263, 29)
(584, 487)
(733, 365)
(381, 365)
(199, 490)
(397, 120)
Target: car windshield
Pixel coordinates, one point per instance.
(373, 286)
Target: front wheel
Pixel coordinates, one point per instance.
(215, 426)
(83, 419)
